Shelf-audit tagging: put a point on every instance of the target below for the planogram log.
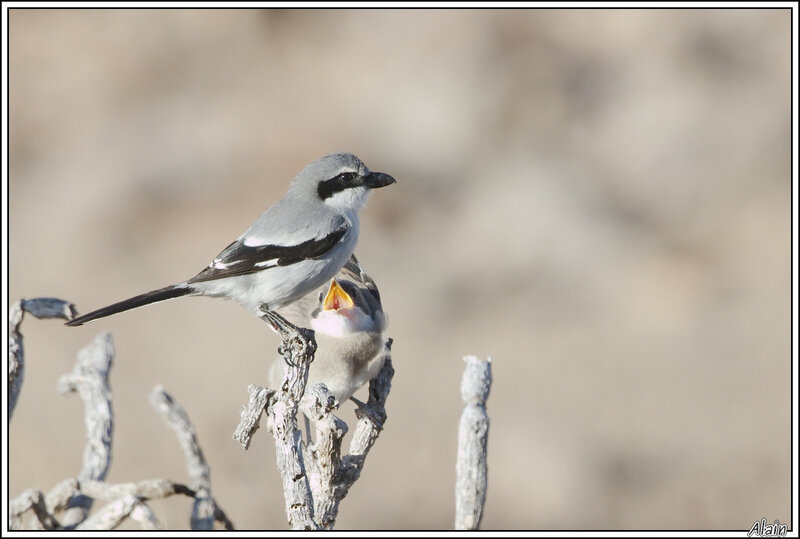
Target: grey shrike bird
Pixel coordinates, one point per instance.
(348, 322)
(294, 247)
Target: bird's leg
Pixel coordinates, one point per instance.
(297, 342)
(358, 402)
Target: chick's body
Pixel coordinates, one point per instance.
(348, 323)
(344, 364)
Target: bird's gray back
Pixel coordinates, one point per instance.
(293, 220)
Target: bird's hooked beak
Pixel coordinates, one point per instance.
(337, 298)
(373, 180)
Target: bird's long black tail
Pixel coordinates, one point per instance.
(168, 292)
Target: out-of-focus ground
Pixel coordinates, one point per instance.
(599, 200)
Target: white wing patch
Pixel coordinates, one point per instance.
(258, 241)
(219, 264)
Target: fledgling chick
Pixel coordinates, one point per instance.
(348, 322)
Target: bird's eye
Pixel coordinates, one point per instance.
(347, 177)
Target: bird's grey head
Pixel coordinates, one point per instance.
(339, 180)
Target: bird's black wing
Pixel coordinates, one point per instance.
(241, 259)
(353, 270)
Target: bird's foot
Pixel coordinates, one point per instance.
(297, 342)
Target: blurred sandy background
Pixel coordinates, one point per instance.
(600, 200)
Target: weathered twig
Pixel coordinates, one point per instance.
(178, 420)
(315, 478)
(298, 351)
(90, 379)
(251, 414)
(35, 500)
(205, 512)
(59, 496)
(40, 308)
(147, 489)
(144, 515)
(473, 434)
(323, 462)
(110, 516)
(57, 499)
(75, 496)
(321, 459)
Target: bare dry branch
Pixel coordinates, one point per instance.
(473, 434)
(145, 516)
(178, 420)
(251, 414)
(90, 379)
(35, 500)
(16, 356)
(40, 308)
(205, 512)
(315, 478)
(111, 515)
(44, 308)
(59, 496)
(323, 460)
(148, 489)
(75, 496)
(298, 351)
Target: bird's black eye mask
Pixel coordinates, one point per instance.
(345, 180)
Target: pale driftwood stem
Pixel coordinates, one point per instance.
(16, 356)
(251, 414)
(473, 434)
(59, 496)
(90, 379)
(110, 516)
(35, 500)
(371, 418)
(40, 308)
(315, 478)
(323, 460)
(144, 515)
(205, 511)
(178, 420)
(148, 489)
(297, 349)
